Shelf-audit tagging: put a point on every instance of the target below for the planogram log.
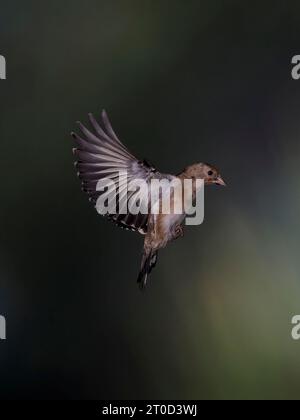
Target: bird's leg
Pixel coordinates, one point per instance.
(178, 232)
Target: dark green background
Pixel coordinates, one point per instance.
(183, 82)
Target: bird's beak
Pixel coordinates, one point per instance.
(219, 181)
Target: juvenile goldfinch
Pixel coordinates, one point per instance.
(101, 155)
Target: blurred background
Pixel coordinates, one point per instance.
(182, 82)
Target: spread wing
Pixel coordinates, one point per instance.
(102, 155)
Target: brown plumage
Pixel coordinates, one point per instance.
(102, 155)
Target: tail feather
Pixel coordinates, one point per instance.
(149, 261)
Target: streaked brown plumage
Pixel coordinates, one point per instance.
(102, 155)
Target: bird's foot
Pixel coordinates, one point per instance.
(178, 232)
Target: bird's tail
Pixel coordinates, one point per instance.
(149, 261)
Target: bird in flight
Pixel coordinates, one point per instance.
(101, 155)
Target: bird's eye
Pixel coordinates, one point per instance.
(210, 173)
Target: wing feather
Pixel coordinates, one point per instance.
(100, 154)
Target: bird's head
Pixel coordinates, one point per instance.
(209, 173)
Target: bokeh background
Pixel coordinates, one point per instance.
(182, 82)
